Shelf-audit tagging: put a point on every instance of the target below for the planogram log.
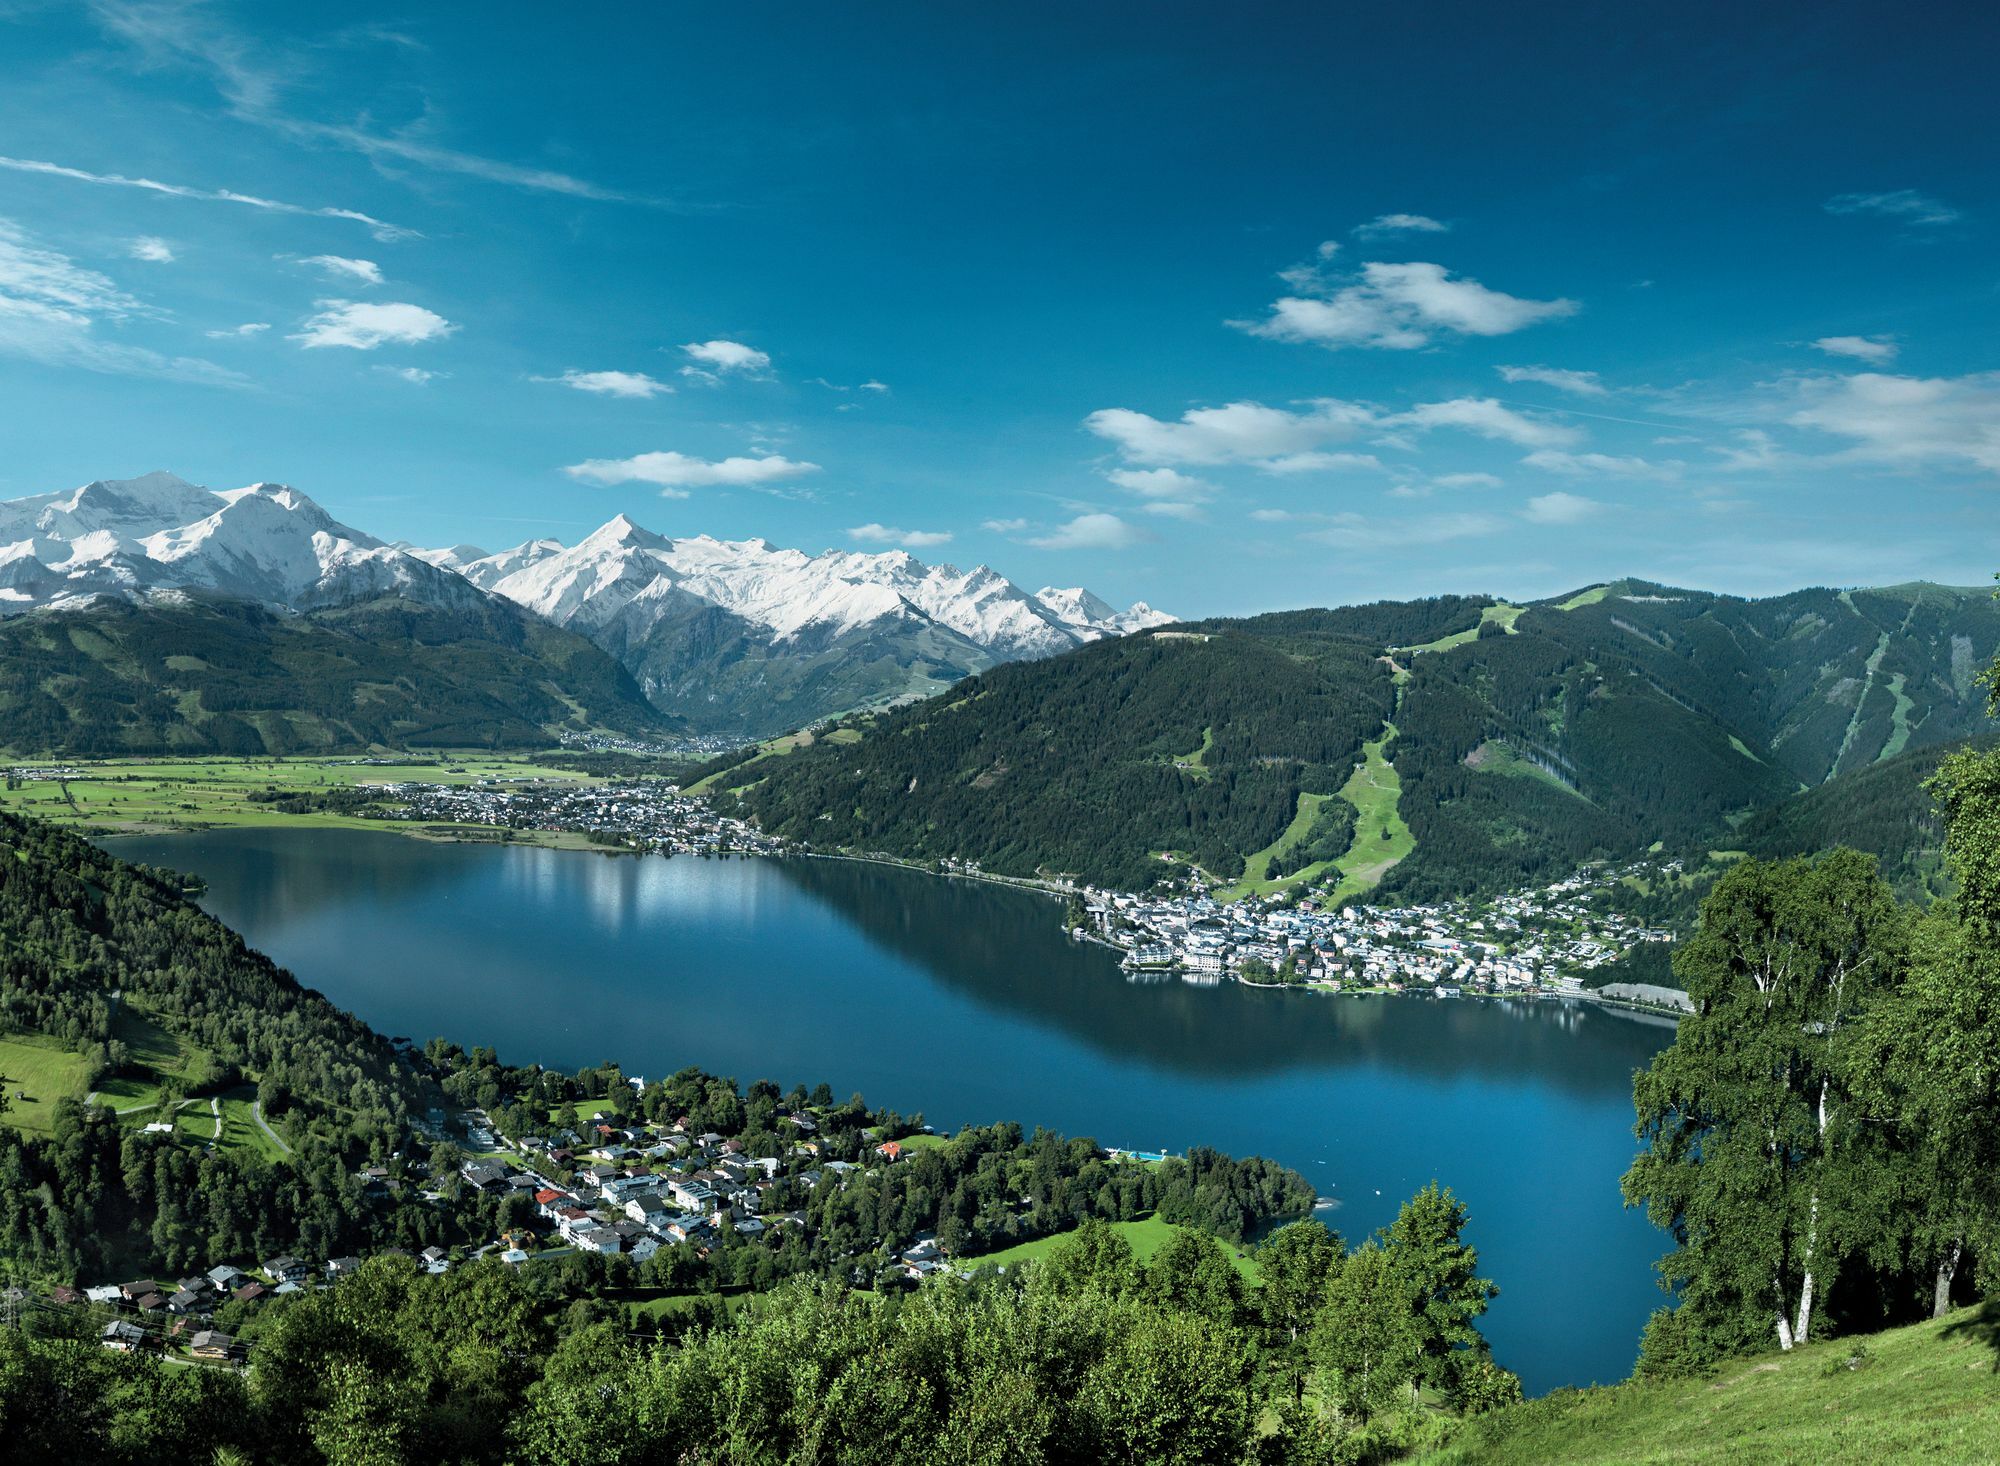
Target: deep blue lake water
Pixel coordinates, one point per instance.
(966, 1002)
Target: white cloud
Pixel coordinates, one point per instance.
(248, 328)
(381, 228)
(1584, 384)
(716, 359)
(871, 385)
(1354, 532)
(1396, 307)
(1560, 508)
(1905, 204)
(1489, 419)
(908, 539)
(611, 384)
(1162, 484)
(1905, 422)
(1875, 350)
(675, 473)
(365, 325)
(340, 267)
(151, 248)
(415, 376)
(1400, 224)
(50, 305)
(1004, 526)
(1320, 461)
(1581, 465)
(1239, 432)
(1091, 532)
(1466, 481)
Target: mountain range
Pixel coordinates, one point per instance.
(1471, 743)
(704, 636)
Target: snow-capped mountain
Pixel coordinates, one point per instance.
(735, 636)
(158, 534)
(623, 570)
(742, 632)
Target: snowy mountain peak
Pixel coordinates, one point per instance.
(622, 581)
(159, 534)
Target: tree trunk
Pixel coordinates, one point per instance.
(1946, 1273)
(1784, 1322)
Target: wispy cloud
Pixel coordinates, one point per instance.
(1583, 384)
(1399, 224)
(675, 473)
(1096, 531)
(1905, 422)
(253, 81)
(1237, 432)
(1560, 508)
(1904, 205)
(1875, 350)
(415, 376)
(908, 539)
(364, 325)
(152, 249)
(1004, 526)
(382, 229)
(1356, 532)
(1608, 465)
(1395, 307)
(711, 361)
(1488, 419)
(612, 384)
(341, 267)
(50, 307)
(230, 333)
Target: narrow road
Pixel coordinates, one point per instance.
(257, 1114)
(215, 1109)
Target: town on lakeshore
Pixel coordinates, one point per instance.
(1538, 941)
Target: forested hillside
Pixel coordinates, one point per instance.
(236, 678)
(1097, 761)
(1525, 738)
(109, 962)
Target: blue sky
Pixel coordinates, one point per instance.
(1229, 308)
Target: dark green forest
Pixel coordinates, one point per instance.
(230, 677)
(1096, 761)
(1639, 715)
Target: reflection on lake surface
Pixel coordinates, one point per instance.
(966, 1001)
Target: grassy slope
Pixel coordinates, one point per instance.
(1376, 792)
(1924, 1392)
(1502, 615)
(1146, 1236)
(44, 1073)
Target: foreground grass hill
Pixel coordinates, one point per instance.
(1502, 742)
(233, 677)
(1927, 1392)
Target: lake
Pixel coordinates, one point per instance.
(966, 1001)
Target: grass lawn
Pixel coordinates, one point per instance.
(1925, 1392)
(924, 1142)
(44, 1072)
(1146, 1236)
(239, 1126)
(171, 793)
